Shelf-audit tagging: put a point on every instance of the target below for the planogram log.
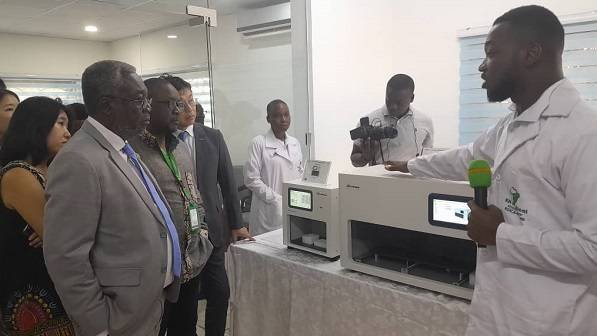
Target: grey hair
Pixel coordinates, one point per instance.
(101, 79)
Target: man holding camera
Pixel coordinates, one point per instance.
(414, 129)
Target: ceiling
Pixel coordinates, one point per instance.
(115, 19)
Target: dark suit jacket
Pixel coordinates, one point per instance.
(214, 168)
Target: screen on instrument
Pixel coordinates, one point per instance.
(449, 211)
(300, 199)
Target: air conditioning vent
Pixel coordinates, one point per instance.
(264, 21)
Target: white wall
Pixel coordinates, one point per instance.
(127, 50)
(357, 45)
(45, 56)
(154, 53)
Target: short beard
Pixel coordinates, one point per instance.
(502, 91)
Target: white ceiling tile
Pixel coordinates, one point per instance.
(122, 3)
(20, 11)
(37, 5)
(88, 10)
(174, 8)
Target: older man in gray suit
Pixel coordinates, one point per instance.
(109, 242)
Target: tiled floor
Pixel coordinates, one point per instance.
(201, 320)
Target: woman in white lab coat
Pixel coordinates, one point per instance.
(538, 274)
(274, 158)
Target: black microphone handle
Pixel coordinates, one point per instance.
(481, 197)
(481, 201)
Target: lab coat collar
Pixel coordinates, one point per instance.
(557, 101)
(563, 100)
(280, 146)
(272, 142)
(554, 102)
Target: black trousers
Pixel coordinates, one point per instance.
(215, 288)
(180, 318)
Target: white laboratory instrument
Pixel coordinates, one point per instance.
(310, 217)
(407, 229)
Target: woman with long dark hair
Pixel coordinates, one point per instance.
(28, 301)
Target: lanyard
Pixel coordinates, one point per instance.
(173, 166)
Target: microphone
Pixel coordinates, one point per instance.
(479, 178)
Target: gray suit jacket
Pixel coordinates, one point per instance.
(105, 242)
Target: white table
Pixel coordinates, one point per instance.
(285, 292)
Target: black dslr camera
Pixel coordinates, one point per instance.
(366, 131)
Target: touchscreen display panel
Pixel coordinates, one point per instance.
(300, 199)
(450, 211)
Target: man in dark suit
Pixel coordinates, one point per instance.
(214, 172)
(110, 244)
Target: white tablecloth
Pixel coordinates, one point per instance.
(285, 292)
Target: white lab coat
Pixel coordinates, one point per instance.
(541, 277)
(271, 163)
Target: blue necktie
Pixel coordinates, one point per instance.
(183, 136)
(176, 258)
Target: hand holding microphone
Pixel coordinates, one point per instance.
(479, 178)
(483, 220)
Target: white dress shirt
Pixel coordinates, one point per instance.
(189, 140)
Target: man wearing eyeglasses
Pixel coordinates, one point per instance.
(110, 244)
(172, 166)
(214, 173)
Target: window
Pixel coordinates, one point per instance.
(476, 114)
(199, 81)
(68, 90)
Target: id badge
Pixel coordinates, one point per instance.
(195, 225)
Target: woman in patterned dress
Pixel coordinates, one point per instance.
(29, 304)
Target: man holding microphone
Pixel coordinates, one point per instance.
(538, 272)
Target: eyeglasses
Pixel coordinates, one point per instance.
(139, 103)
(172, 104)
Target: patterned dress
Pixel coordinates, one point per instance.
(29, 304)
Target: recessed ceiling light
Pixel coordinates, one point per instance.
(91, 29)
(172, 36)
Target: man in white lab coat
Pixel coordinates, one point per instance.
(538, 273)
(274, 158)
